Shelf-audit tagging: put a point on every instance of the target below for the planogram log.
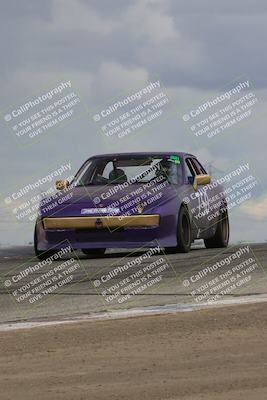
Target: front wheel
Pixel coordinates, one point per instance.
(41, 255)
(184, 233)
(94, 252)
(221, 237)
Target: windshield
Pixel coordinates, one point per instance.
(112, 171)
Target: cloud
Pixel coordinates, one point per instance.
(255, 208)
(114, 78)
(72, 15)
(149, 20)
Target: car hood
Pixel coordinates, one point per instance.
(106, 200)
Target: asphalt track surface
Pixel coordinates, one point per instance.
(182, 276)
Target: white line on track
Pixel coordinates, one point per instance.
(134, 312)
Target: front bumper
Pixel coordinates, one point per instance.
(85, 232)
(101, 222)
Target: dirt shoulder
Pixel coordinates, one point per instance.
(210, 354)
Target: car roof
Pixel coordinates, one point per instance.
(150, 153)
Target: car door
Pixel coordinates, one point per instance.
(208, 194)
(199, 198)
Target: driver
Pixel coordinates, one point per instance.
(169, 170)
(117, 175)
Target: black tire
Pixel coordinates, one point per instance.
(184, 233)
(41, 255)
(94, 252)
(221, 237)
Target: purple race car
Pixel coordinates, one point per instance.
(134, 200)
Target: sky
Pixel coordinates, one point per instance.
(109, 49)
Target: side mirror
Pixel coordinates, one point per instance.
(62, 184)
(201, 180)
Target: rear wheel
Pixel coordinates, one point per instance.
(94, 252)
(184, 233)
(221, 237)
